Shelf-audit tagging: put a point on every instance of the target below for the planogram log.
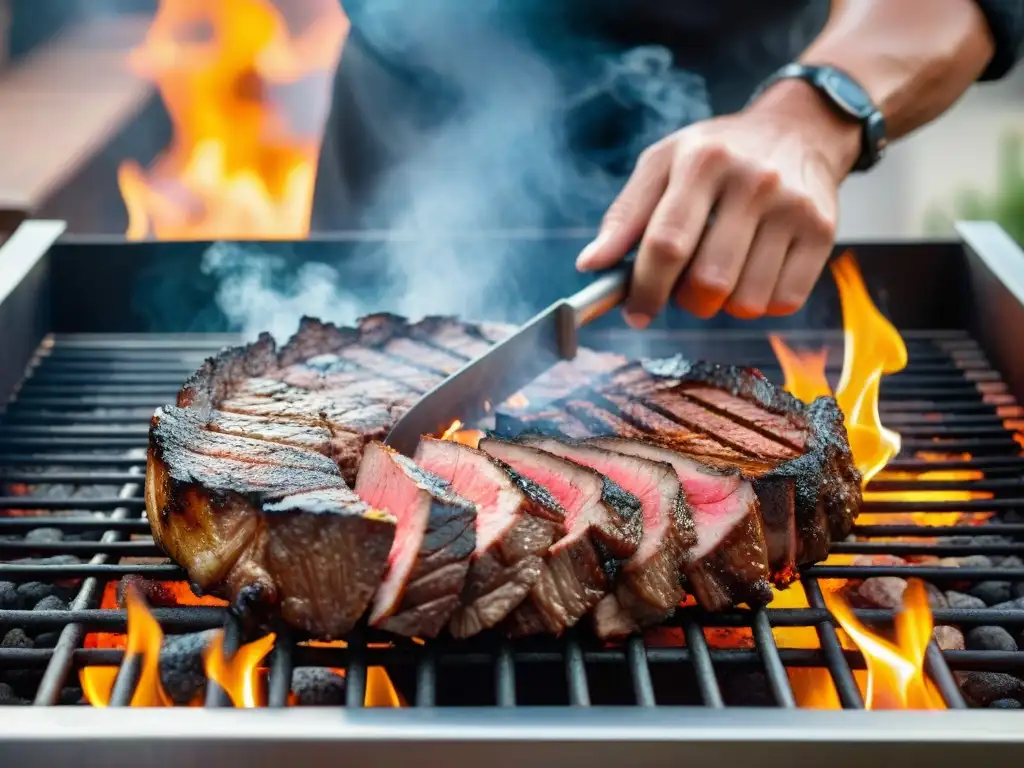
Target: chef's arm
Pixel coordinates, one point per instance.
(917, 57)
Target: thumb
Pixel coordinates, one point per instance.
(624, 223)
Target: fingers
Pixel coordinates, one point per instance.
(673, 233)
(721, 255)
(627, 217)
(761, 272)
(800, 272)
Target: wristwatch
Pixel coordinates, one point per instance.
(847, 98)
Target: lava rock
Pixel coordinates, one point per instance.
(982, 688)
(47, 639)
(181, 665)
(10, 599)
(44, 535)
(16, 638)
(157, 595)
(961, 601)
(1006, 704)
(990, 638)
(862, 560)
(1011, 561)
(992, 592)
(880, 592)
(50, 603)
(317, 687)
(948, 638)
(936, 598)
(31, 592)
(975, 561)
(8, 697)
(51, 560)
(1017, 590)
(1011, 605)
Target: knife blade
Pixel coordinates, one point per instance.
(543, 341)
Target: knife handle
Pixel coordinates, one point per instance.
(605, 293)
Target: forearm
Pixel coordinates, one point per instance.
(915, 57)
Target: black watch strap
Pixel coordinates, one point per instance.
(847, 98)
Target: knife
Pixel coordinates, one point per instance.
(546, 339)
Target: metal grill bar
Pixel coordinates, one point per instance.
(97, 395)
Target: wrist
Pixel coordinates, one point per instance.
(800, 109)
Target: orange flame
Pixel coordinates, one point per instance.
(144, 640)
(895, 675)
(239, 675)
(457, 434)
(234, 169)
(803, 370)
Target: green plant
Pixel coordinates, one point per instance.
(1004, 205)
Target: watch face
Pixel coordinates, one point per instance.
(847, 94)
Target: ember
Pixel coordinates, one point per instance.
(235, 168)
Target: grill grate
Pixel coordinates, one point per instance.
(80, 421)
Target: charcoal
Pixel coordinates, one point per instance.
(44, 535)
(47, 639)
(990, 638)
(992, 592)
(51, 560)
(70, 696)
(982, 688)
(8, 697)
(961, 601)
(181, 665)
(32, 592)
(318, 687)
(948, 638)
(1006, 704)
(16, 638)
(24, 682)
(50, 603)
(10, 599)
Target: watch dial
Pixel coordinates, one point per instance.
(847, 93)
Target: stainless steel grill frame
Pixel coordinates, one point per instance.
(84, 403)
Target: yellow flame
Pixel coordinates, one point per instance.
(239, 675)
(803, 371)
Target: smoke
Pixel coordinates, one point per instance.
(525, 144)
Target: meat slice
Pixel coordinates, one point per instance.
(272, 528)
(729, 563)
(435, 538)
(596, 510)
(517, 522)
(649, 585)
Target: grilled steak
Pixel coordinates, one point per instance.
(648, 588)
(517, 521)
(435, 538)
(728, 564)
(796, 456)
(270, 527)
(596, 510)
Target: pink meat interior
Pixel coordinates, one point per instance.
(574, 493)
(473, 476)
(717, 519)
(644, 479)
(383, 484)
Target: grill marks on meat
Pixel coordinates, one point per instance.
(517, 522)
(435, 538)
(270, 527)
(797, 481)
(648, 588)
(597, 511)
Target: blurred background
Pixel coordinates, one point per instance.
(202, 119)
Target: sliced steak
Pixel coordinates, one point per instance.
(649, 585)
(435, 538)
(729, 563)
(270, 527)
(517, 522)
(596, 510)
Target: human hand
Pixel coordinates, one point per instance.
(771, 173)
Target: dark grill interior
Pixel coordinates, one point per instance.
(72, 460)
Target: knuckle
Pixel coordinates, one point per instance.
(709, 157)
(764, 182)
(618, 212)
(665, 246)
(651, 154)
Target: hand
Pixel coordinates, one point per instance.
(771, 173)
